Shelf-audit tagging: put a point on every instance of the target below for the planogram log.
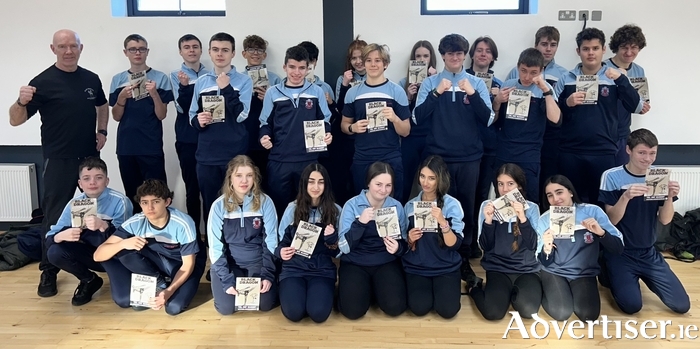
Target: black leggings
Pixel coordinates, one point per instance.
(524, 291)
(562, 297)
(307, 295)
(441, 292)
(358, 285)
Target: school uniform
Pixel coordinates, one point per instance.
(640, 259)
(140, 133)
(412, 148)
(340, 90)
(242, 244)
(342, 150)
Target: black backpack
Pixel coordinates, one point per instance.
(682, 236)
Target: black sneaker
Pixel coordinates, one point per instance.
(47, 285)
(85, 290)
(474, 281)
(208, 275)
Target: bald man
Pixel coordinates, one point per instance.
(74, 115)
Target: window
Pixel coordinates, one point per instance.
(151, 8)
(474, 7)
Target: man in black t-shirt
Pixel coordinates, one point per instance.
(72, 105)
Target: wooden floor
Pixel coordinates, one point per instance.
(29, 321)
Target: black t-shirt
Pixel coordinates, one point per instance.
(66, 102)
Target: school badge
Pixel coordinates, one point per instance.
(588, 237)
(256, 223)
(309, 104)
(605, 91)
(466, 99)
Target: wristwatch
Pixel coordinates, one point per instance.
(350, 129)
(548, 93)
(20, 103)
(104, 132)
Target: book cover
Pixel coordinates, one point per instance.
(589, 85)
(354, 82)
(518, 105)
(377, 121)
(642, 87)
(504, 211)
(305, 239)
(562, 221)
(248, 289)
(143, 288)
(657, 184)
(314, 131)
(311, 74)
(81, 209)
(259, 76)
(487, 78)
(138, 85)
(216, 106)
(417, 71)
(422, 217)
(387, 221)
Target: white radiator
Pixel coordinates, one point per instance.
(689, 179)
(18, 192)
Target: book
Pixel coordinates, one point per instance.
(248, 289)
(487, 78)
(387, 221)
(518, 105)
(138, 85)
(311, 74)
(504, 211)
(314, 131)
(305, 239)
(216, 106)
(259, 76)
(354, 82)
(422, 217)
(81, 209)
(377, 121)
(657, 184)
(589, 85)
(417, 71)
(143, 288)
(640, 84)
(562, 221)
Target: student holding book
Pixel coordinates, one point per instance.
(570, 262)
(431, 261)
(623, 190)
(412, 145)
(182, 80)
(139, 99)
(590, 119)
(369, 263)
(626, 43)
(307, 283)
(242, 233)
(159, 242)
(255, 53)
(285, 109)
(376, 112)
(453, 103)
(522, 117)
(225, 137)
(509, 253)
(71, 247)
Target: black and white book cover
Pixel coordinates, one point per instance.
(417, 71)
(305, 239)
(81, 209)
(375, 116)
(387, 221)
(589, 85)
(518, 105)
(487, 78)
(138, 85)
(248, 297)
(642, 87)
(258, 74)
(311, 74)
(216, 106)
(657, 184)
(354, 82)
(562, 221)
(503, 206)
(314, 131)
(422, 217)
(143, 288)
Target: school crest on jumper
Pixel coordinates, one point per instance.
(466, 99)
(605, 91)
(309, 104)
(588, 237)
(256, 223)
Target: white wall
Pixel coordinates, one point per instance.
(669, 59)
(30, 24)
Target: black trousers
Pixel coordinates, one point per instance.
(464, 177)
(524, 291)
(135, 169)
(562, 296)
(359, 285)
(188, 168)
(441, 293)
